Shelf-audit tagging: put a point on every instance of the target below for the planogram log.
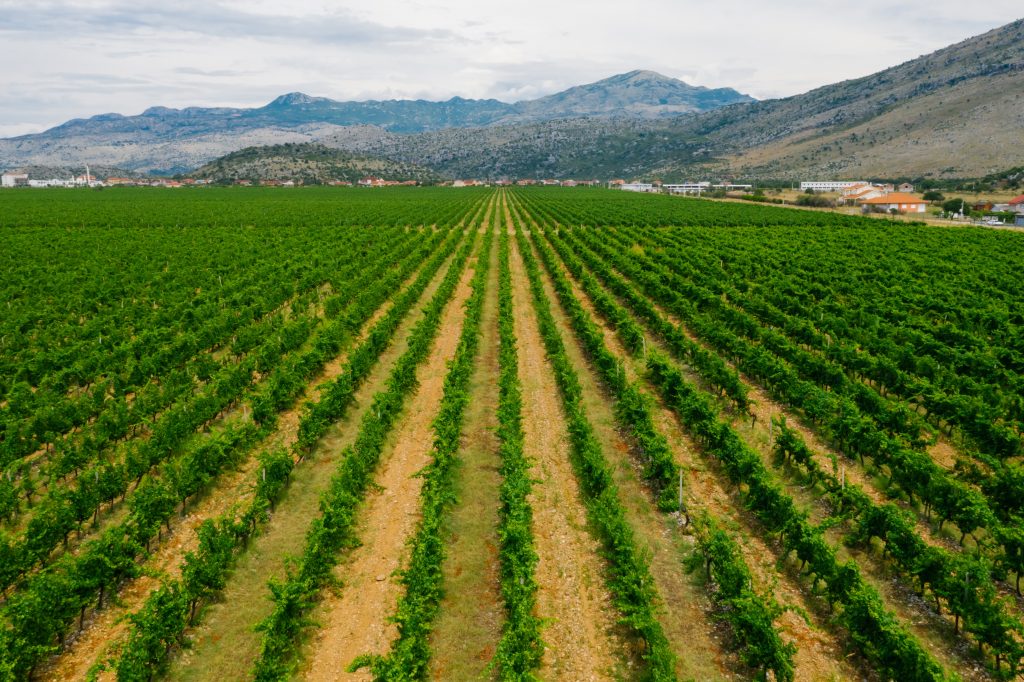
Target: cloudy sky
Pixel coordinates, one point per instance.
(78, 58)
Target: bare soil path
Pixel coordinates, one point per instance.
(354, 618)
(820, 651)
(929, 628)
(225, 646)
(687, 611)
(580, 637)
(468, 626)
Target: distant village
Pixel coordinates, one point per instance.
(87, 179)
(901, 199)
(867, 196)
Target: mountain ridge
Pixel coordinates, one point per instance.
(682, 94)
(169, 140)
(956, 112)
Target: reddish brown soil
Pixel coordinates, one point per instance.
(354, 618)
(234, 488)
(581, 644)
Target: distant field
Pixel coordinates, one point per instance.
(427, 433)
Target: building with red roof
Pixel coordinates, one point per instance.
(897, 201)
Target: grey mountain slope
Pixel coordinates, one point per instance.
(956, 112)
(997, 53)
(637, 94)
(950, 101)
(162, 138)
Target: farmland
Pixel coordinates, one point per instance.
(514, 434)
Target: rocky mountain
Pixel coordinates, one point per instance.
(637, 94)
(562, 148)
(958, 112)
(161, 139)
(309, 163)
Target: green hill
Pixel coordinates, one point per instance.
(309, 163)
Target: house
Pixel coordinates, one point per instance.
(862, 194)
(1016, 204)
(906, 188)
(855, 188)
(616, 183)
(14, 180)
(896, 201)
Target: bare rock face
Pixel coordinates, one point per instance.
(172, 140)
(637, 94)
(953, 113)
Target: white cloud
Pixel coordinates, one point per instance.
(83, 57)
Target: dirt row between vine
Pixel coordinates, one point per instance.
(581, 642)
(108, 625)
(912, 611)
(225, 645)
(820, 652)
(353, 618)
(686, 610)
(468, 626)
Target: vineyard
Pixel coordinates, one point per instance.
(516, 434)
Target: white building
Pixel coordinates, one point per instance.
(638, 187)
(705, 186)
(688, 188)
(829, 185)
(52, 182)
(14, 180)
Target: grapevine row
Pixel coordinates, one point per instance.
(750, 616)
(334, 528)
(630, 581)
(423, 578)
